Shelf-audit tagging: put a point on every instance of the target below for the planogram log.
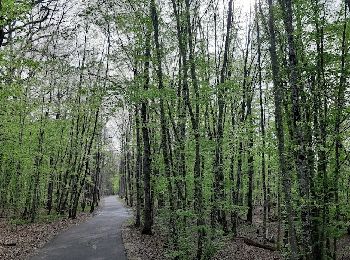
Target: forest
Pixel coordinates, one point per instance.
(210, 118)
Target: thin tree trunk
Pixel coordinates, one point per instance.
(340, 104)
(138, 168)
(219, 187)
(286, 178)
(165, 142)
(262, 129)
(38, 162)
(146, 167)
(195, 119)
(250, 158)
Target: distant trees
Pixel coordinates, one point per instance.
(52, 121)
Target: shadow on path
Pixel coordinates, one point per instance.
(99, 238)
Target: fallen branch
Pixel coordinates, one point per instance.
(251, 242)
(9, 244)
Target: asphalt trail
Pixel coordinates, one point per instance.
(99, 238)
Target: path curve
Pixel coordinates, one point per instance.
(100, 238)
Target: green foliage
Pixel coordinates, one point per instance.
(115, 180)
(11, 9)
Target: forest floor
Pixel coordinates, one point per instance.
(143, 247)
(18, 239)
(246, 246)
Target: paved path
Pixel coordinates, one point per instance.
(97, 239)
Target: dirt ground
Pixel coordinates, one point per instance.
(143, 247)
(20, 240)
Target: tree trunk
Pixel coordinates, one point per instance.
(340, 105)
(286, 178)
(219, 187)
(165, 142)
(262, 129)
(146, 167)
(195, 119)
(138, 169)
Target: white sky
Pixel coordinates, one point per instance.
(245, 4)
